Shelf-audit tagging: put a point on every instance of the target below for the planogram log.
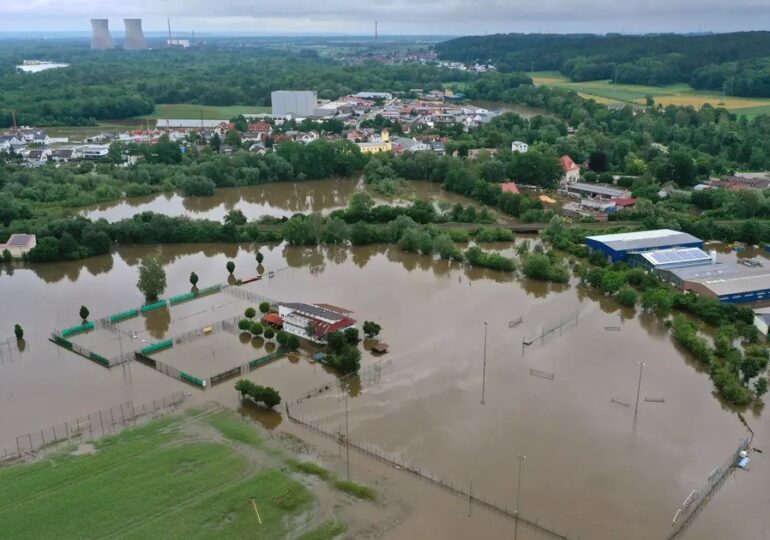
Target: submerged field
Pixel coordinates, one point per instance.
(207, 112)
(605, 92)
(196, 475)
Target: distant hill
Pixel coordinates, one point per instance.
(736, 63)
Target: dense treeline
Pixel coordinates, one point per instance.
(735, 63)
(113, 84)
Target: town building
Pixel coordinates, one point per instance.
(376, 146)
(19, 244)
(595, 191)
(510, 187)
(570, 169)
(664, 259)
(621, 246)
(518, 146)
(302, 103)
(313, 321)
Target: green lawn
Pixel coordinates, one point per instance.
(186, 111)
(153, 482)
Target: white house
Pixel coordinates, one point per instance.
(313, 321)
(518, 146)
(19, 244)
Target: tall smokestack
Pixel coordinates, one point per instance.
(134, 36)
(100, 34)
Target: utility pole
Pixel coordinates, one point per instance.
(518, 491)
(638, 388)
(347, 440)
(484, 369)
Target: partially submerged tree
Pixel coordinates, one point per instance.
(264, 307)
(194, 279)
(19, 331)
(84, 313)
(152, 278)
(371, 329)
(230, 267)
(260, 257)
(250, 312)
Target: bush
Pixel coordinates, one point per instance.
(269, 333)
(250, 312)
(264, 307)
(198, 186)
(371, 329)
(257, 329)
(496, 234)
(351, 335)
(542, 268)
(282, 338)
(626, 297)
(476, 257)
(293, 342)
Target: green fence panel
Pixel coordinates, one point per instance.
(150, 307)
(99, 359)
(181, 298)
(267, 358)
(158, 346)
(125, 315)
(62, 342)
(210, 290)
(77, 329)
(189, 378)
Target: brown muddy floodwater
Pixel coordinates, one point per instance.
(280, 199)
(590, 467)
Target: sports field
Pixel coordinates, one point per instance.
(192, 476)
(676, 94)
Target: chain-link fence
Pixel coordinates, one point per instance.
(541, 526)
(367, 376)
(696, 500)
(90, 427)
(12, 349)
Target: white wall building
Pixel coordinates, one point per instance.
(518, 146)
(295, 102)
(313, 321)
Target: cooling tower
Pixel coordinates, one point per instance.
(134, 35)
(100, 36)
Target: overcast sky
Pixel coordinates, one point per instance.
(395, 16)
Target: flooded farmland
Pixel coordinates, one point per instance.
(590, 467)
(282, 199)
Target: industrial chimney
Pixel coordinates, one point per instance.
(134, 36)
(100, 34)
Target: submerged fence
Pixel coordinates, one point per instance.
(564, 322)
(549, 529)
(91, 427)
(367, 376)
(697, 499)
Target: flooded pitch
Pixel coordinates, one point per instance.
(590, 467)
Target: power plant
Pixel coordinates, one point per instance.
(100, 34)
(134, 36)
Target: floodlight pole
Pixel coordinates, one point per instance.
(484, 369)
(638, 388)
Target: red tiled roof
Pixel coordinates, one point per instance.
(624, 201)
(272, 318)
(510, 187)
(567, 164)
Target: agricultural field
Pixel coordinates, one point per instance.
(676, 94)
(207, 474)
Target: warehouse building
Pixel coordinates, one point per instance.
(671, 258)
(726, 282)
(301, 103)
(622, 246)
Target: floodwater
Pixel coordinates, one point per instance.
(590, 467)
(281, 199)
(522, 110)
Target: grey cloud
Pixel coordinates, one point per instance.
(398, 16)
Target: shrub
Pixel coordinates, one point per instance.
(293, 342)
(257, 329)
(269, 333)
(626, 297)
(244, 325)
(250, 312)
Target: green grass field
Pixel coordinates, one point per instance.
(186, 111)
(676, 94)
(181, 477)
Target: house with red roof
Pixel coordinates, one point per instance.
(314, 321)
(571, 170)
(261, 127)
(510, 187)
